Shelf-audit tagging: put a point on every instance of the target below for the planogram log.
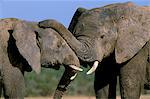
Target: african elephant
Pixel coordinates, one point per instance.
(115, 35)
(23, 47)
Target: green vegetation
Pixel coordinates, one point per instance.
(45, 83)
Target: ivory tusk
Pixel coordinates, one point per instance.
(95, 65)
(76, 68)
(73, 77)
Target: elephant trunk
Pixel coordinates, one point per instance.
(67, 77)
(80, 47)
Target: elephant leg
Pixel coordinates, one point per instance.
(104, 86)
(13, 83)
(101, 85)
(106, 79)
(132, 76)
(67, 77)
(147, 77)
(105, 82)
(147, 82)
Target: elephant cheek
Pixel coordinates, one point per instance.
(99, 51)
(71, 60)
(109, 48)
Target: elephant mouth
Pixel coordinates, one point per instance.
(49, 65)
(57, 66)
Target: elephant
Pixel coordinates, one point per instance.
(118, 37)
(24, 46)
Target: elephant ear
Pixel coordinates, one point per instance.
(27, 45)
(132, 36)
(75, 17)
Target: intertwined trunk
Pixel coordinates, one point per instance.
(82, 46)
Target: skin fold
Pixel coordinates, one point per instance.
(117, 36)
(24, 46)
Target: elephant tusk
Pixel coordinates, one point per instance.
(73, 77)
(95, 65)
(76, 68)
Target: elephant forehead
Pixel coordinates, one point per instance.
(50, 39)
(33, 26)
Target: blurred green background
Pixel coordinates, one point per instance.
(45, 83)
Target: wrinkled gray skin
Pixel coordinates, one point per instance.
(116, 35)
(23, 47)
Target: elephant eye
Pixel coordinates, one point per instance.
(123, 17)
(102, 36)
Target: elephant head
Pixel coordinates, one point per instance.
(122, 28)
(54, 52)
(30, 46)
